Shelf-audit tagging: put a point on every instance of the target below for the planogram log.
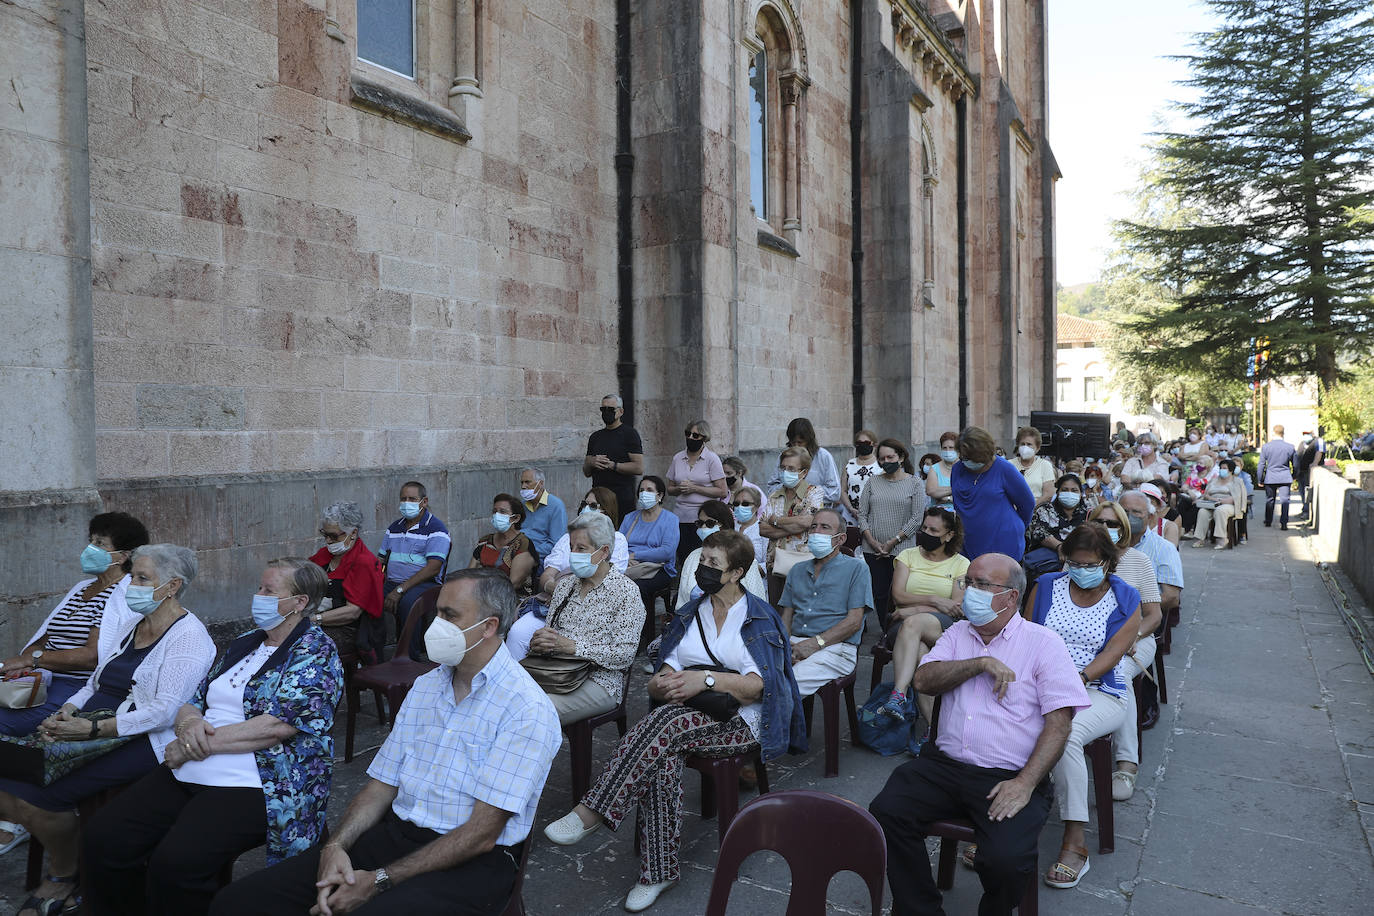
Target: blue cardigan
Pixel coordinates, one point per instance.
(1127, 602)
(653, 542)
(995, 507)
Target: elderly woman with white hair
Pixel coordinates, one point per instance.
(152, 652)
(595, 616)
(251, 764)
(351, 613)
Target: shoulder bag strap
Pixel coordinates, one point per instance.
(701, 629)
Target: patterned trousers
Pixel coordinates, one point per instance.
(646, 772)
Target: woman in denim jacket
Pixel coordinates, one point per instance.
(251, 763)
(727, 641)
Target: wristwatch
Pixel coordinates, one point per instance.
(37, 654)
(400, 590)
(382, 881)
(820, 641)
(710, 682)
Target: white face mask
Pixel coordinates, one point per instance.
(1027, 452)
(447, 643)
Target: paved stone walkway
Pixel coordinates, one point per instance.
(1256, 792)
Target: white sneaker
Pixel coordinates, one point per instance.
(568, 829)
(643, 896)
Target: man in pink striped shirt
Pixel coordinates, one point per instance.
(1007, 693)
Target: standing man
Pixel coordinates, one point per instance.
(823, 605)
(1008, 691)
(546, 518)
(414, 553)
(1312, 454)
(440, 824)
(1276, 463)
(615, 455)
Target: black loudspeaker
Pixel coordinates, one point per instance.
(1073, 435)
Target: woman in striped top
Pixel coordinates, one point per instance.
(64, 647)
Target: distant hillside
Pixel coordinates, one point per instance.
(1083, 300)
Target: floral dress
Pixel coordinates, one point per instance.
(301, 685)
(857, 475)
(778, 506)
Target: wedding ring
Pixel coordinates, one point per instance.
(187, 745)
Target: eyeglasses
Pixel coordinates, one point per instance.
(588, 505)
(982, 584)
(1082, 565)
(695, 438)
(334, 538)
(1106, 524)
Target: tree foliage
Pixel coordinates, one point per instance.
(1274, 170)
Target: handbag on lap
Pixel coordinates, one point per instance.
(557, 673)
(23, 690)
(35, 760)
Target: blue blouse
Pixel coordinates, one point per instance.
(995, 507)
(653, 542)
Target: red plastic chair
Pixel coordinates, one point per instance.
(580, 740)
(829, 693)
(720, 785)
(392, 678)
(818, 835)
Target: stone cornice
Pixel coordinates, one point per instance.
(914, 28)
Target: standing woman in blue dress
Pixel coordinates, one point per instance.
(991, 498)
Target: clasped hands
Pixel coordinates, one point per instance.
(192, 742)
(342, 888)
(547, 641)
(65, 725)
(680, 686)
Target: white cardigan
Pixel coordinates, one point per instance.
(164, 681)
(120, 588)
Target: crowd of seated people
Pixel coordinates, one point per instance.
(974, 565)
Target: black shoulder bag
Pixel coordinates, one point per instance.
(717, 704)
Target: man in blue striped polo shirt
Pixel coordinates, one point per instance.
(414, 552)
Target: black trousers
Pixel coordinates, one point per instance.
(478, 887)
(1276, 492)
(647, 589)
(880, 570)
(687, 540)
(935, 787)
(159, 846)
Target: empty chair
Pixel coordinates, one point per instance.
(818, 834)
(393, 678)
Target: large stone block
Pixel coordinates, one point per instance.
(189, 407)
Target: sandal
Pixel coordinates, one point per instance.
(1123, 785)
(1069, 876)
(18, 833)
(53, 906)
(967, 856)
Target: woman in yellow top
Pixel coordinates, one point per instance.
(928, 600)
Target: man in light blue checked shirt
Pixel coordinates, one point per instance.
(440, 825)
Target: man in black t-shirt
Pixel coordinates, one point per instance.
(615, 455)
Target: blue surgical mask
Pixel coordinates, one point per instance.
(949, 455)
(820, 545)
(647, 500)
(95, 560)
(1091, 577)
(790, 479)
(743, 513)
(703, 533)
(501, 521)
(582, 565)
(1223, 473)
(142, 600)
(528, 495)
(1115, 535)
(978, 606)
(265, 613)
(1069, 499)
(409, 509)
(975, 465)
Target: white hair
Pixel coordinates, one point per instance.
(170, 561)
(598, 527)
(616, 398)
(345, 515)
(538, 474)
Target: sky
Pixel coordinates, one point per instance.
(1110, 86)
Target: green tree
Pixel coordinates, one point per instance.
(1274, 167)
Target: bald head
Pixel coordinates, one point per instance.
(1000, 570)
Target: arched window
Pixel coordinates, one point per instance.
(776, 84)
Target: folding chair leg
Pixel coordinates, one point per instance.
(1100, 754)
(949, 850)
(1160, 678)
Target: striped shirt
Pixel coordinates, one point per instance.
(70, 627)
(410, 549)
(1138, 571)
(893, 509)
(494, 746)
(979, 729)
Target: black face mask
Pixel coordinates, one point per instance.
(709, 579)
(863, 448)
(890, 467)
(1137, 527)
(694, 445)
(608, 415)
(928, 541)
(731, 481)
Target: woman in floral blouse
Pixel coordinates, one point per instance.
(251, 762)
(786, 518)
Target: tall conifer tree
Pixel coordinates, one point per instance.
(1275, 167)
